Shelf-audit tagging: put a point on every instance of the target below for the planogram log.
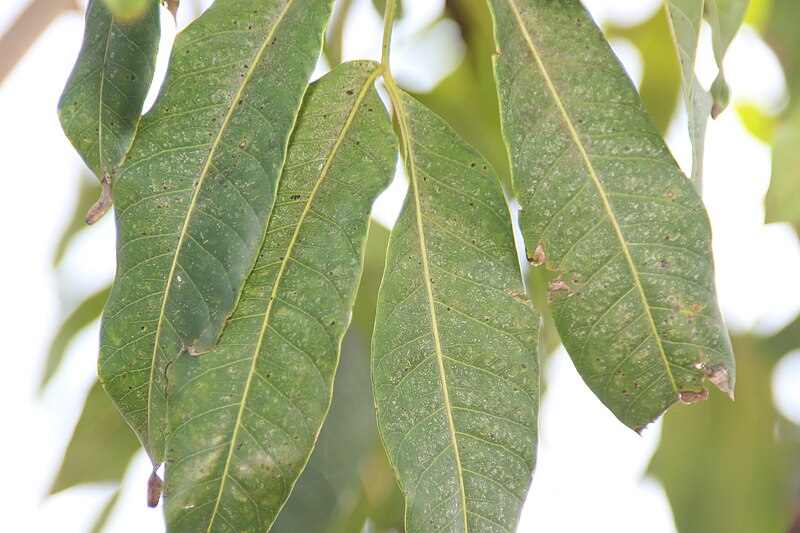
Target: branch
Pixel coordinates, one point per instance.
(30, 24)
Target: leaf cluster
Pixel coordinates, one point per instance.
(242, 204)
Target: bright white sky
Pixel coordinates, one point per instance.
(589, 474)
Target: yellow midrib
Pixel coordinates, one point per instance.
(187, 220)
(596, 180)
(394, 93)
(268, 313)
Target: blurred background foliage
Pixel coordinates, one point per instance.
(732, 467)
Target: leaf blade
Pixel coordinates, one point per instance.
(102, 101)
(467, 404)
(195, 192)
(277, 358)
(685, 20)
(637, 311)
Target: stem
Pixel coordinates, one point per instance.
(388, 24)
(30, 24)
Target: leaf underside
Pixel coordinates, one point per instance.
(686, 19)
(244, 418)
(196, 189)
(102, 101)
(454, 365)
(605, 205)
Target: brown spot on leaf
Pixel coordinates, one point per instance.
(719, 376)
(539, 256)
(690, 396)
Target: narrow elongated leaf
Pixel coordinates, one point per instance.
(331, 482)
(84, 314)
(244, 418)
(686, 19)
(102, 101)
(101, 446)
(605, 205)
(195, 193)
(454, 365)
(725, 17)
(782, 202)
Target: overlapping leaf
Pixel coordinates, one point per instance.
(102, 101)
(244, 418)
(686, 19)
(606, 206)
(195, 192)
(454, 364)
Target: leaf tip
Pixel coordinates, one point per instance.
(719, 376)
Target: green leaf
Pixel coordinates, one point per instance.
(686, 19)
(195, 192)
(752, 481)
(725, 17)
(661, 69)
(102, 101)
(84, 314)
(604, 204)
(454, 365)
(244, 418)
(101, 446)
(782, 202)
(331, 482)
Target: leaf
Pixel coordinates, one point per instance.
(454, 366)
(782, 202)
(725, 17)
(102, 101)
(751, 480)
(604, 204)
(194, 195)
(244, 418)
(84, 314)
(686, 19)
(661, 69)
(101, 446)
(331, 482)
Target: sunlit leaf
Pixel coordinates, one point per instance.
(244, 418)
(102, 101)
(686, 19)
(101, 446)
(604, 204)
(454, 365)
(195, 192)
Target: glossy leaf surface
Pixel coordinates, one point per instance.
(194, 195)
(102, 101)
(604, 204)
(244, 418)
(454, 365)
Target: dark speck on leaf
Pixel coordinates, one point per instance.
(350, 92)
(294, 197)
